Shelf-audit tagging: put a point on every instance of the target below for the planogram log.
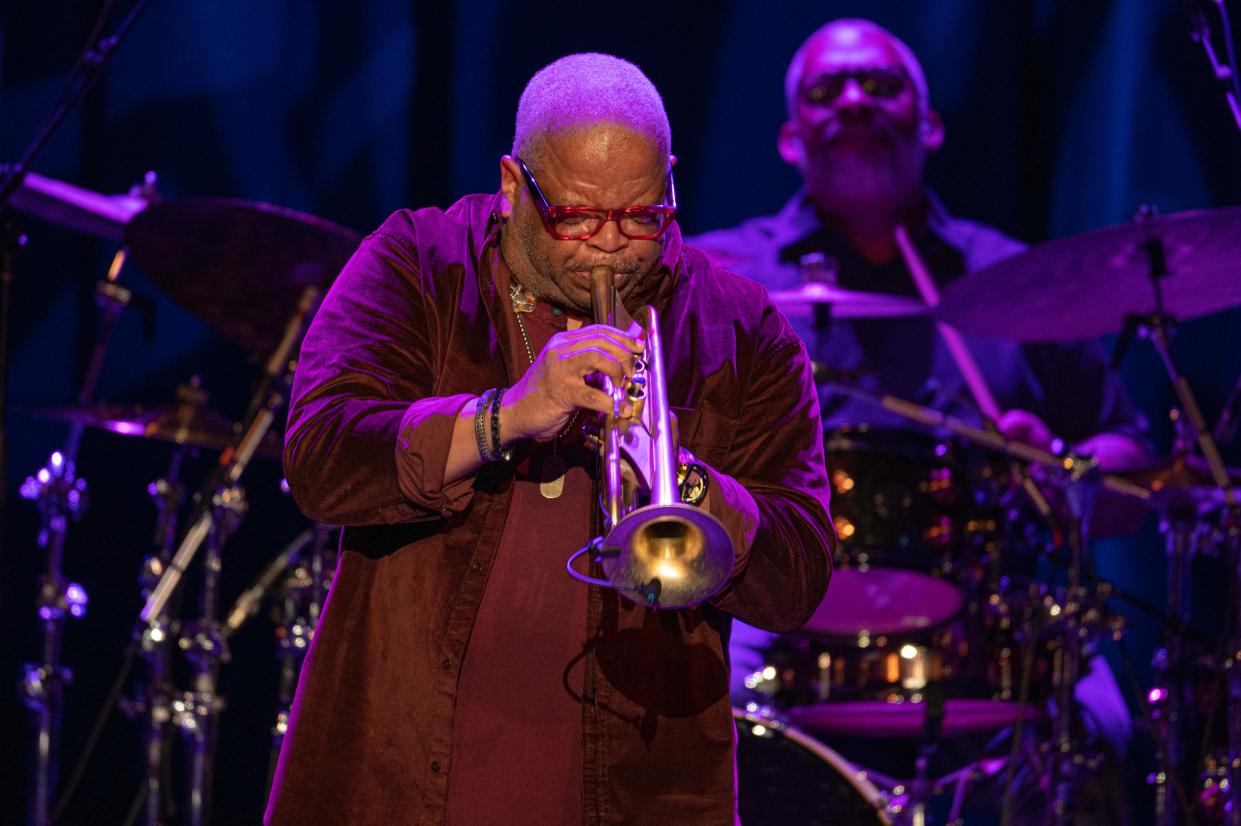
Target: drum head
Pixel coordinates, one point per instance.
(878, 719)
(884, 601)
(785, 777)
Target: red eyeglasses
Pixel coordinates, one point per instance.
(577, 223)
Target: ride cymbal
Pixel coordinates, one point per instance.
(238, 265)
(1087, 285)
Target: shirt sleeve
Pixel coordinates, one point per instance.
(772, 492)
(366, 442)
(1082, 395)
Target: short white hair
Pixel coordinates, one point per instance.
(793, 77)
(581, 90)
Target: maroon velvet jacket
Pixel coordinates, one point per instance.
(412, 327)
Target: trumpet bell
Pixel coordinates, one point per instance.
(668, 555)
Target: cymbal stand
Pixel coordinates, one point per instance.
(1232, 664)
(197, 712)
(168, 495)
(1069, 761)
(301, 598)
(1156, 328)
(61, 496)
(219, 504)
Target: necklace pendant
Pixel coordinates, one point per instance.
(551, 477)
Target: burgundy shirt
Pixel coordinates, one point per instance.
(521, 677)
(414, 327)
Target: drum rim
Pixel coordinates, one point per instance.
(855, 775)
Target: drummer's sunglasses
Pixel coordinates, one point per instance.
(877, 83)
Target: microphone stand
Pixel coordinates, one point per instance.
(1224, 73)
(220, 504)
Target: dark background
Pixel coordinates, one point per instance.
(1061, 117)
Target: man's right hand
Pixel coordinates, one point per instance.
(559, 382)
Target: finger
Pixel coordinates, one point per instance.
(589, 360)
(621, 355)
(620, 338)
(590, 398)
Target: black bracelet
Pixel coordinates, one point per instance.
(498, 451)
(480, 424)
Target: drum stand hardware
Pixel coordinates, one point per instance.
(197, 712)
(61, 496)
(304, 576)
(301, 598)
(167, 494)
(220, 504)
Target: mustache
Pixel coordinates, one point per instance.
(618, 267)
(836, 129)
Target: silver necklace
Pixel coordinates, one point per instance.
(552, 469)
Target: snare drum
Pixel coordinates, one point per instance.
(910, 523)
(912, 606)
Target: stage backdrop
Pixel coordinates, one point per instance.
(1061, 117)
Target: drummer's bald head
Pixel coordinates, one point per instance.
(846, 30)
(582, 90)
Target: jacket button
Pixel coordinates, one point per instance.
(476, 566)
(435, 766)
(446, 664)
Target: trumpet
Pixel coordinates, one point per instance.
(664, 554)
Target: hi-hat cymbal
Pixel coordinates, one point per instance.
(1182, 482)
(845, 303)
(238, 265)
(1086, 285)
(184, 423)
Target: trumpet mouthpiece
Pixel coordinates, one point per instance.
(603, 294)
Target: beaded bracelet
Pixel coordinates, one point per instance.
(498, 452)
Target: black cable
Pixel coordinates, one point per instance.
(101, 719)
(135, 806)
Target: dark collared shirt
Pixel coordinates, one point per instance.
(413, 328)
(1069, 385)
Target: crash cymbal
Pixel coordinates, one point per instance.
(1085, 285)
(1182, 482)
(184, 423)
(845, 303)
(238, 265)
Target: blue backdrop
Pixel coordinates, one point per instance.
(1061, 117)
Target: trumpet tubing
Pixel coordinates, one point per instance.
(665, 554)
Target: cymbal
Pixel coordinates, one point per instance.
(1085, 285)
(184, 423)
(238, 265)
(845, 303)
(1182, 482)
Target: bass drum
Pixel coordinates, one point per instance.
(785, 777)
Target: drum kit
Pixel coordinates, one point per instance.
(964, 609)
(254, 272)
(963, 605)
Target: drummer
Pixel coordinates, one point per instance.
(860, 128)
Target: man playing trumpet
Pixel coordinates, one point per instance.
(459, 674)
